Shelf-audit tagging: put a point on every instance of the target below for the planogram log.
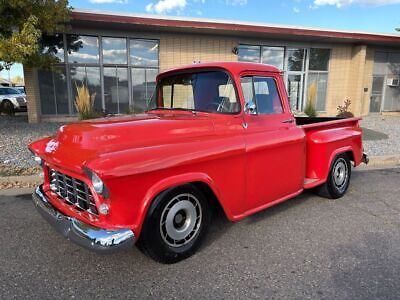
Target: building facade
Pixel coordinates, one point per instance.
(119, 56)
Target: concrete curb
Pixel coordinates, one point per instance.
(22, 179)
(384, 161)
(375, 162)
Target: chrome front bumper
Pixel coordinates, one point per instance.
(365, 158)
(85, 235)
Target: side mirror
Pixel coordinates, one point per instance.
(250, 108)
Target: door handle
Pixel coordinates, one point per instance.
(288, 121)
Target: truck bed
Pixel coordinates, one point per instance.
(312, 123)
(325, 138)
(312, 120)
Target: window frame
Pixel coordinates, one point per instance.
(68, 63)
(306, 70)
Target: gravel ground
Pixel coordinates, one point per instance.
(15, 134)
(389, 125)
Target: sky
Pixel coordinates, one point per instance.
(361, 15)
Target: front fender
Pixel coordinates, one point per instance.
(168, 183)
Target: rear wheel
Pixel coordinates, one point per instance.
(175, 225)
(338, 178)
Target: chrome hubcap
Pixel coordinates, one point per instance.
(340, 174)
(180, 220)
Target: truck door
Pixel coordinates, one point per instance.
(275, 146)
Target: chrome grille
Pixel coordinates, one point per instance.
(21, 100)
(72, 191)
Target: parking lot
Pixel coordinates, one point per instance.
(307, 247)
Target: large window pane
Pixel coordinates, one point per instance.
(316, 90)
(144, 53)
(53, 91)
(295, 59)
(90, 77)
(139, 90)
(273, 56)
(53, 45)
(114, 50)
(319, 59)
(143, 86)
(151, 75)
(394, 64)
(83, 49)
(116, 90)
(249, 53)
(381, 62)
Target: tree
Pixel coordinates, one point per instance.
(18, 80)
(23, 24)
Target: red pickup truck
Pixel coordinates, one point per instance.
(215, 134)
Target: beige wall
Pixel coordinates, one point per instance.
(177, 50)
(350, 73)
(32, 94)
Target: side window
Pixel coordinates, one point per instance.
(167, 95)
(247, 88)
(265, 93)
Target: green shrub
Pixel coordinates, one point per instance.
(309, 110)
(344, 110)
(84, 103)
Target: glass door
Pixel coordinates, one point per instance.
(296, 66)
(376, 94)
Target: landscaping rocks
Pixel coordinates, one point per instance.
(15, 134)
(388, 126)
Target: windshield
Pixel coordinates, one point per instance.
(9, 91)
(211, 91)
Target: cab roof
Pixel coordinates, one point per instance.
(234, 68)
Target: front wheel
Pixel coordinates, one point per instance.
(338, 178)
(175, 225)
(7, 107)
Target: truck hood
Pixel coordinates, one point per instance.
(77, 143)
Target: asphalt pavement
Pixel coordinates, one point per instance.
(307, 247)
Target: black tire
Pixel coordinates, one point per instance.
(7, 107)
(166, 235)
(336, 185)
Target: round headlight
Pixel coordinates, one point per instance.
(38, 160)
(97, 183)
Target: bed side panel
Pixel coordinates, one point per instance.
(324, 144)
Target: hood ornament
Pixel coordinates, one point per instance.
(51, 146)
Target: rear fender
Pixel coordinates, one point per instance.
(333, 155)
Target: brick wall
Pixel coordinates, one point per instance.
(350, 72)
(338, 78)
(32, 94)
(368, 71)
(178, 50)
